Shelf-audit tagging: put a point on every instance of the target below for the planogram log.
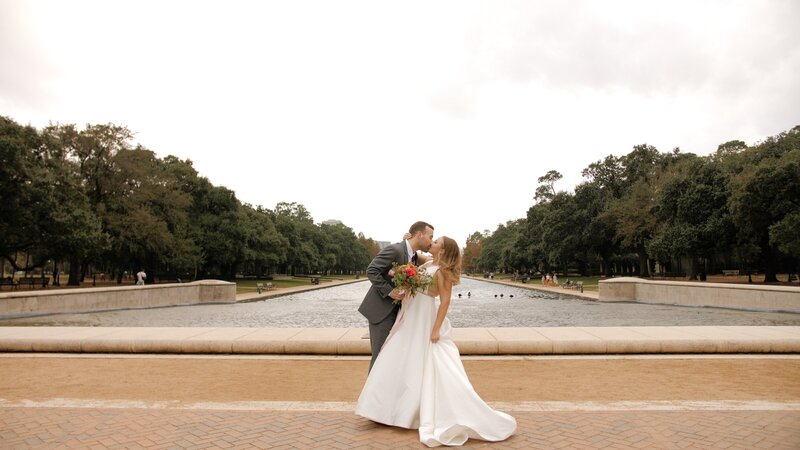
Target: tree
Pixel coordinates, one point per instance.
(608, 175)
(349, 254)
(692, 196)
(222, 234)
(23, 191)
(369, 245)
(498, 250)
(547, 186)
(730, 148)
(640, 164)
(534, 237)
(294, 223)
(44, 212)
(264, 247)
(634, 222)
(561, 226)
(784, 234)
(764, 196)
(596, 233)
(472, 252)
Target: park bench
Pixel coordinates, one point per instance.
(8, 282)
(169, 281)
(261, 287)
(730, 272)
(792, 277)
(669, 275)
(314, 279)
(570, 285)
(31, 281)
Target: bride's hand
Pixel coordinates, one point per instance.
(435, 336)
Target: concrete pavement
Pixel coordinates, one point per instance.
(141, 428)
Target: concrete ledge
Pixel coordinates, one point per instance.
(349, 341)
(51, 301)
(691, 293)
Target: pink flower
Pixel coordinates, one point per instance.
(391, 273)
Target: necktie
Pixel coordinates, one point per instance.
(414, 259)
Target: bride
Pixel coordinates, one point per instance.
(418, 380)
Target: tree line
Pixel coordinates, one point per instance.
(647, 211)
(90, 200)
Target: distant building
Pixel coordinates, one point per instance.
(332, 222)
(382, 244)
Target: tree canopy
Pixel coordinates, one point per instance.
(738, 207)
(90, 198)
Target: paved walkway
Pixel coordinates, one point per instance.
(624, 402)
(139, 428)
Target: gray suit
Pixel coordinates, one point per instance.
(377, 306)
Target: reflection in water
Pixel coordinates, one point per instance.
(337, 307)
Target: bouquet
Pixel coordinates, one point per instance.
(409, 278)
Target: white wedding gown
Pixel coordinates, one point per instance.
(415, 383)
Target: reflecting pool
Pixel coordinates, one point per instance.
(480, 305)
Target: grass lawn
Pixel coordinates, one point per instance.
(242, 285)
(589, 283)
(249, 285)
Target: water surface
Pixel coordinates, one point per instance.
(337, 307)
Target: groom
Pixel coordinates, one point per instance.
(378, 306)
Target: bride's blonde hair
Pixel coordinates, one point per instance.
(450, 261)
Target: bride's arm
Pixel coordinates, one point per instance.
(445, 289)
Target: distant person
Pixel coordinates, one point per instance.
(140, 277)
(555, 279)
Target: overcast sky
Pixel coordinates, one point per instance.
(380, 114)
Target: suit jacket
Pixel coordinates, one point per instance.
(377, 304)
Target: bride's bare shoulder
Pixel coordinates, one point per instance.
(423, 258)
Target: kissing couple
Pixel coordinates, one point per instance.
(416, 377)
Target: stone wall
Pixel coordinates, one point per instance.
(685, 293)
(48, 301)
